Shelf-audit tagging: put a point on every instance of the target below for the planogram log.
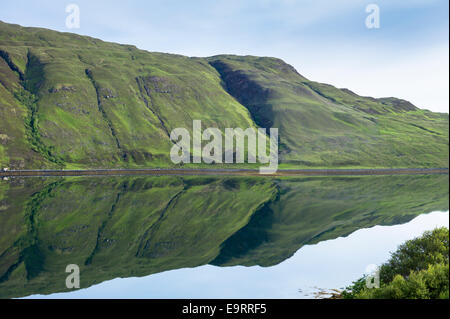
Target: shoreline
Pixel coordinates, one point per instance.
(224, 172)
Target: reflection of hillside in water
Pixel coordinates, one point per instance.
(122, 227)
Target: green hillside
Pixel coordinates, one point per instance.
(70, 101)
(321, 125)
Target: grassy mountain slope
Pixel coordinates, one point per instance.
(70, 101)
(321, 125)
(99, 104)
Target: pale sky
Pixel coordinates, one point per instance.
(325, 40)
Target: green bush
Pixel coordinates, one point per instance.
(419, 269)
(417, 254)
(432, 283)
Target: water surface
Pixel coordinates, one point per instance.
(321, 267)
(189, 237)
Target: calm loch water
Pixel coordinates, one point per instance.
(206, 237)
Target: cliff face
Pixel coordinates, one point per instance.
(68, 101)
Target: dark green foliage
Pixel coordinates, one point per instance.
(429, 283)
(30, 101)
(34, 260)
(356, 288)
(417, 254)
(418, 269)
